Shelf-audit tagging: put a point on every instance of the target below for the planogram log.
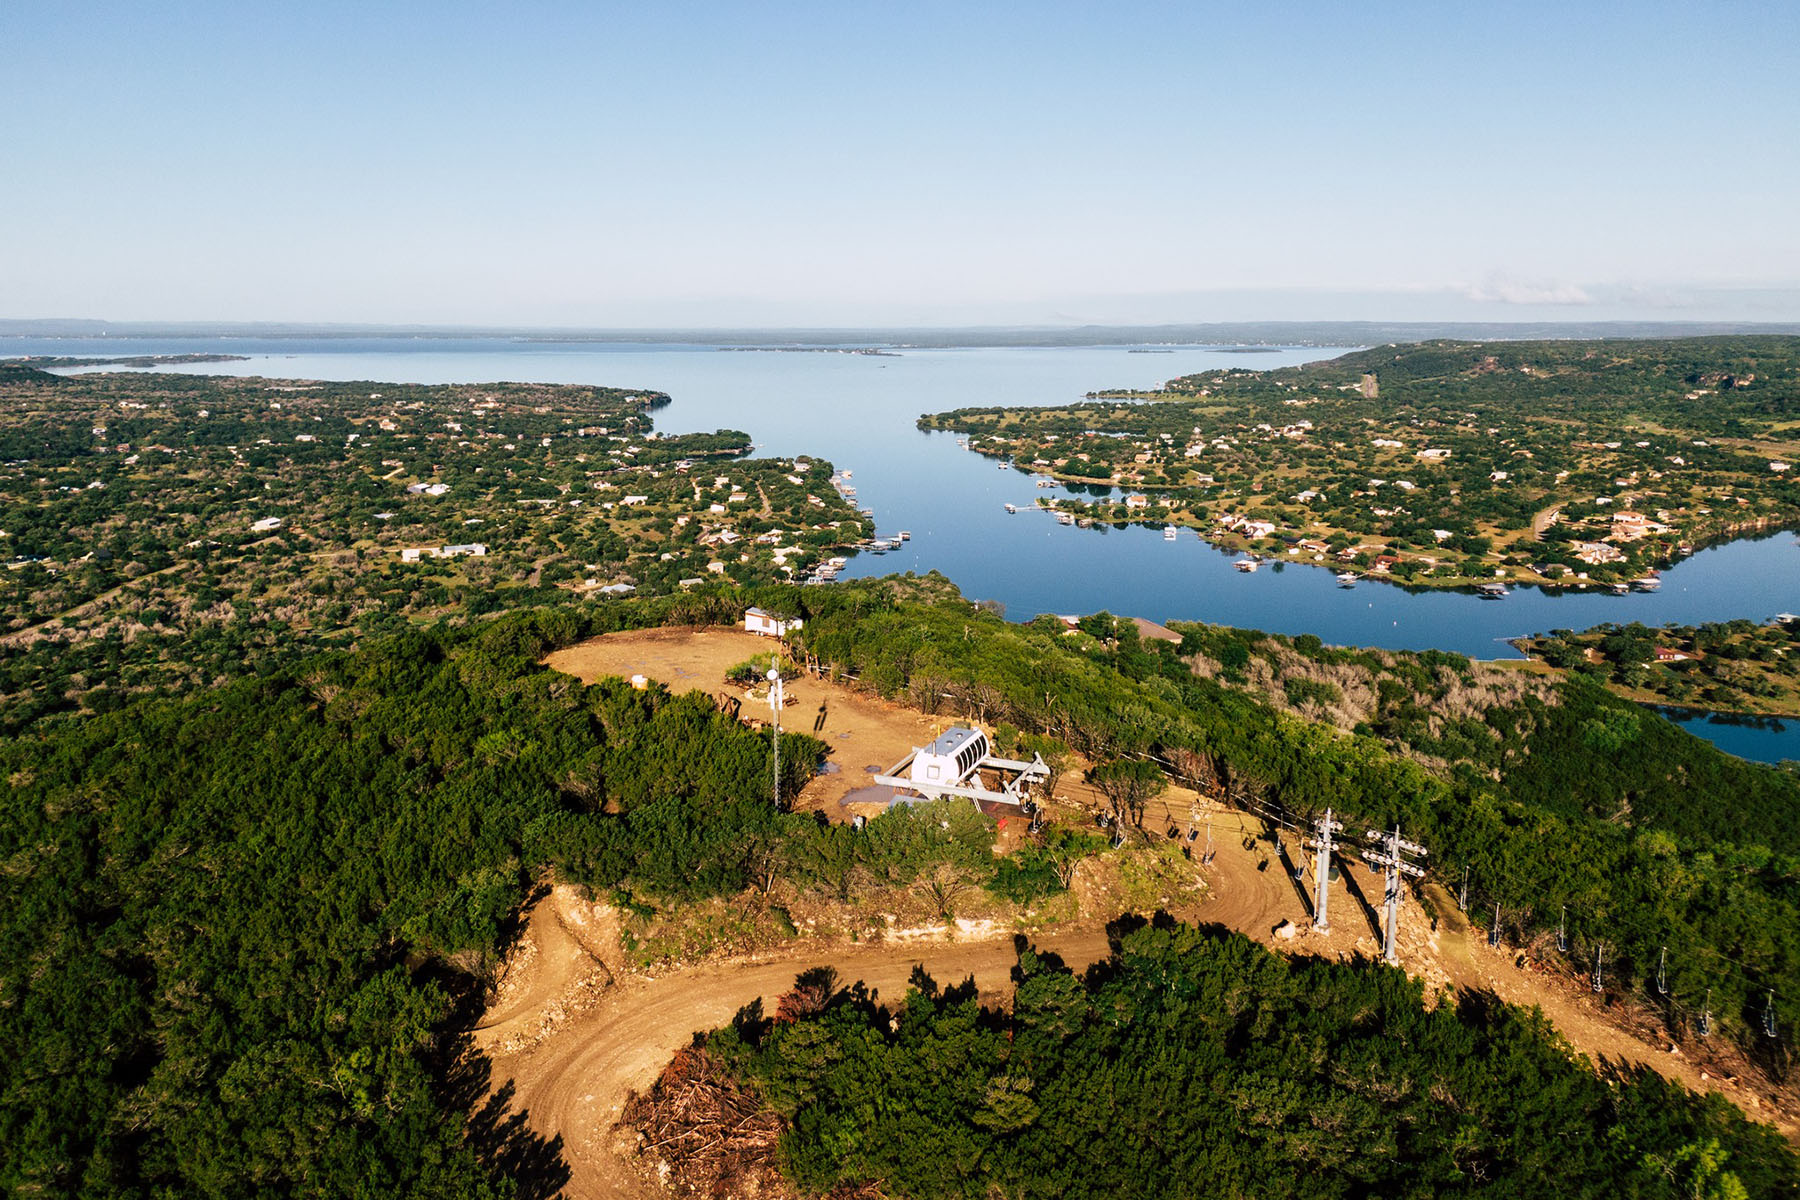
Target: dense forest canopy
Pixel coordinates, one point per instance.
(1650, 837)
(1196, 1063)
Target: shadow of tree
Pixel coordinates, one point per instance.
(502, 1138)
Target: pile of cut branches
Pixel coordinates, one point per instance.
(715, 1135)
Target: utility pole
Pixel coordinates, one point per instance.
(775, 740)
(1322, 890)
(1389, 855)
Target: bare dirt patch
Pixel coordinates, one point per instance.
(863, 732)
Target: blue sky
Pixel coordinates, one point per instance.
(703, 164)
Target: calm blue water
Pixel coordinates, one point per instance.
(859, 412)
(1763, 739)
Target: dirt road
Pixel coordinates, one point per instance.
(572, 1077)
(576, 1047)
(575, 1082)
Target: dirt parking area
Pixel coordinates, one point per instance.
(865, 734)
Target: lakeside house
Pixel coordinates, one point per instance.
(1597, 554)
(1150, 631)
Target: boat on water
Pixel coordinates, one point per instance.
(1012, 508)
(1085, 522)
(1346, 579)
(1492, 591)
(1065, 519)
(1648, 583)
(1168, 533)
(1618, 589)
(905, 535)
(1246, 564)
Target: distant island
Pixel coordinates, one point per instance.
(867, 350)
(58, 362)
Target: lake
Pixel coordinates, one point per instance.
(859, 412)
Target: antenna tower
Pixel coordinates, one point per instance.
(775, 699)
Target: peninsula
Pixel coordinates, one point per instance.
(1444, 464)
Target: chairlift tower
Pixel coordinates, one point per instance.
(1390, 856)
(1325, 827)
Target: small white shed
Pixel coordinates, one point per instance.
(768, 624)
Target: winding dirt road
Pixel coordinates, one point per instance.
(576, 1033)
(575, 1083)
(573, 1075)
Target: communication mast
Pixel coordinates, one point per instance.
(1389, 855)
(775, 699)
(1599, 967)
(1322, 889)
(1494, 929)
(1662, 972)
(1462, 898)
(1562, 931)
(1706, 1015)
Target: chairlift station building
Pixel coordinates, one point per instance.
(954, 765)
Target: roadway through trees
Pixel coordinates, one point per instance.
(584, 1054)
